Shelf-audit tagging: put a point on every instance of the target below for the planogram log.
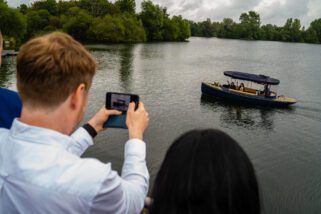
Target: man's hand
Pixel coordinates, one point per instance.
(101, 117)
(136, 121)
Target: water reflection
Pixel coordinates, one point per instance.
(7, 71)
(126, 66)
(232, 114)
(117, 59)
(153, 51)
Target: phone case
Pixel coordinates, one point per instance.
(116, 122)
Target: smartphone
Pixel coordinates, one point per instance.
(120, 102)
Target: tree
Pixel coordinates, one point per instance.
(310, 36)
(126, 6)
(118, 28)
(296, 31)
(153, 20)
(250, 24)
(292, 30)
(183, 26)
(77, 23)
(176, 29)
(23, 8)
(107, 29)
(97, 20)
(134, 29)
(64, 6)
(37, 21)
(170, 30)
(207, 28)
(12, 22)
(268, 32)
(316, 26)
(98, 7)
(49, 5)
(227, 29)
(195, 29)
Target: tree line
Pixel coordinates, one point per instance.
(105, 21)
(250, 28)
(93, 21)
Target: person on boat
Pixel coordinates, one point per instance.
(241, 87)
(206, 171)
(10, 106)
(227, 85)
(233, 86)
(267, 91)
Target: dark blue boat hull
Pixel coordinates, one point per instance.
(230, 95)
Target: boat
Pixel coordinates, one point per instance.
(248, 94)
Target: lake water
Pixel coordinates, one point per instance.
(283, 144)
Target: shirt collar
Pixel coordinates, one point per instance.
(39, 135)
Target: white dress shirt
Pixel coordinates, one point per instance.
(41, 172)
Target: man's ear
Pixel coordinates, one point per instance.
(78, 96)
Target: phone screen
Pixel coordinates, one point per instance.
(120, 101)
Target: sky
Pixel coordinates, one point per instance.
(271, 11)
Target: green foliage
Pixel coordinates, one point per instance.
(37, 21)
(208, 29)
(107, 29)
(227, 29)
(49, 5)
(23, 9)
(292, 30)
(93, 20)
(268, 32)
(12, 22)
(250, 28)
(126, 6)
(64, 6)
(310, 36)
(176, 29)
(98, 7)
(120, 28)
(105, 21)
(77, 23)
(316, 26)
(159, 26)
(170, 30)
(153, 20)
(250, 25)
(184, 29)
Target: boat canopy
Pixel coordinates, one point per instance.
(261, 79)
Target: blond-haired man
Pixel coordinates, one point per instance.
(40, 166)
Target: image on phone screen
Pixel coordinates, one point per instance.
(120, 101)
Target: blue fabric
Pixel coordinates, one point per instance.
(10, 107)
(262, 79)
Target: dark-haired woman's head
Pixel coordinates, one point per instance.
(206, 171)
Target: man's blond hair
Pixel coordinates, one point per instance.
(51, 67)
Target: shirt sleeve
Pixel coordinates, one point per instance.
(125, 194)
(81, 141)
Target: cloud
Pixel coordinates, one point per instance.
(277, 12)
(16, 3)
(271, 11)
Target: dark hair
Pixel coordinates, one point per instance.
(205, 171)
